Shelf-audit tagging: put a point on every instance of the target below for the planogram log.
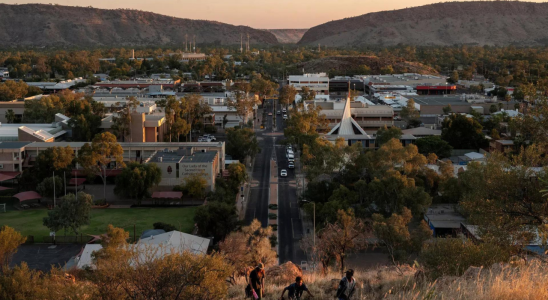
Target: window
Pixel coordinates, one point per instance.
(16, 155)
(16, 167)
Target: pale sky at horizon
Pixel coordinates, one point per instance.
(261, 14)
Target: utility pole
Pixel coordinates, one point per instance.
(186, 42)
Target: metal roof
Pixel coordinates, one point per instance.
(347, 126)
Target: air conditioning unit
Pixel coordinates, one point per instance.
(1, 166)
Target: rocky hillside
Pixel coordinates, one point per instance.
(288, 36)
(473, 23)
(59, 26)
(348, 64)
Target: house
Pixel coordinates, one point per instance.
(152, 247)
(443, 219)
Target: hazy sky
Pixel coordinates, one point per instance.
(266, 14)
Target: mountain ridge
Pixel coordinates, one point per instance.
(37, 25)
(288, 36)
(481, 23)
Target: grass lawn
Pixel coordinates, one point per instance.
(30, 222)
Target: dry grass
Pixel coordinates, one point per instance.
(527, 282)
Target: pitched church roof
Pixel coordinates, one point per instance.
(348, 126)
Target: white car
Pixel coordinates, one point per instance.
(289, 147)
(285, 117)
(212, 138)
(284, 111)
(204, 139)
(283, 173)
(291, 165)
(278, 112)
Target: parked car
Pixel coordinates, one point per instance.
(291, 165)
(291, 160)
(288, 147)
(209, 136)
(285, 117)
(204, 139)
(283, 173)
(284, 111)
(270, 114)
(278, 112)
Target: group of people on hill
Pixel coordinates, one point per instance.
(255, 287)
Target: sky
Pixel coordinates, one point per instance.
(261, 14)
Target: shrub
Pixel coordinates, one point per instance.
(272, 216)
(273, 206)
(210, 129)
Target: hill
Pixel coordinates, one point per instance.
(350, 64)
(288, 36)
(473, 23)
(61, 26)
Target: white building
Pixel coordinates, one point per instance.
(4, 73)
(316, 82)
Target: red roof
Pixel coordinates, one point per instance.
(30, 195)
(167, 195)
(436, 87)
(8, 175)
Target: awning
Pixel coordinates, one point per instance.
(167, 195)
(3, 188)
(30, 195)
(77, 181)
(8, 175)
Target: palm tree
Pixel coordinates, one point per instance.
(10, 116)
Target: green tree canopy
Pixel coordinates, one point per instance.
(462, 132)
(241, 143)
(136, 179)
(71, 214)
(216, 219)
(434, 144)
(386, 134)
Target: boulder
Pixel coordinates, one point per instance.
(285, 272)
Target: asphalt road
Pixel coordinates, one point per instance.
(257, 207)
(290, 228)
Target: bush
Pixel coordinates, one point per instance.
(272, 216)
(100, 202)
(166, 227)
(274, 227)
(273, 206)
(453, 256)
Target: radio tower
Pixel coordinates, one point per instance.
(247, 43)
(194, 44)
(241, 42)
(186, 42)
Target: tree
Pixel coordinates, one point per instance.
(303, 126)
(493, 108)
(54, 159)
(394, 234)
(241, 143)
(136, 179)
(12, 90)
(10, 240)
(216, 219)
(510, 206)
(50, 184)
(195, 185)
(447, 109)
(10, 116)
(433, 144)
(71, 214)
(237, 175)
(243, 104)
(256, 245)
(346, 235)
(307, 93)
(410, 114)
(386, 134)
(122, 120)
(95, 158)
(263, 87)
(85, 118)
(462, 132)
(454, 78)
(287, 94)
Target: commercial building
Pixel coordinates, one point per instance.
(315, 82)
(187, 57)
(139, 83)
(48, 87)
(176, 160)
(339, 85)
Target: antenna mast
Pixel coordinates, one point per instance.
(194, 44)
(247, 42)
(186, 42)
(241, 42)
